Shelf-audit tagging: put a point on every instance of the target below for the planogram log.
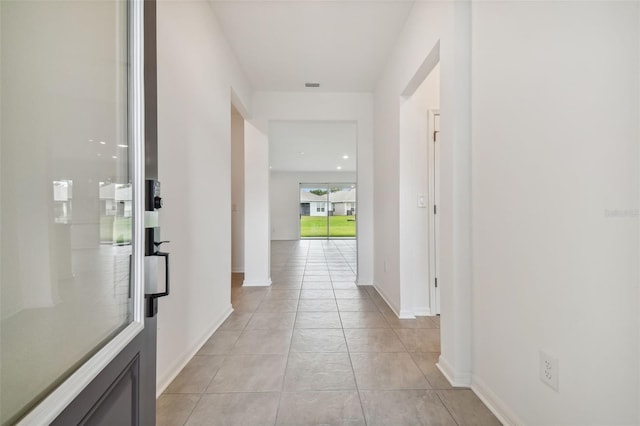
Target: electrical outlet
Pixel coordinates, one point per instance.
(549, 370)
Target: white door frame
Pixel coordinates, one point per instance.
(433, 158)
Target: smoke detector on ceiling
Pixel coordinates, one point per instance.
(310, 84)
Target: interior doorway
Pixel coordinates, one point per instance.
(328, 211)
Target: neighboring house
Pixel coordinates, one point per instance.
(312, 204)
(341, 203)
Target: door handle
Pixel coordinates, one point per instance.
(159, 243)
(166, 274)
(153, 278)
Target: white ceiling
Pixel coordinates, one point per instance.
(312, 146)
(341, 44)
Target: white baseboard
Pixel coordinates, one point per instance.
(456, 378)
(406, 314)
(424, 311)
(497, 406)
(179, 364)
(237, 270)
(402, 314)
(257, 283)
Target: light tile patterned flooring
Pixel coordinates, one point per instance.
(314, 349)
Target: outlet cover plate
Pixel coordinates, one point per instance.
(549, 370)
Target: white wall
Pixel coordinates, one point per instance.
(196, 71)
(356, 107)
(285, 199)
(256, 200)
(415, 167)
(430, 24)
(555, 146)
(237, 191)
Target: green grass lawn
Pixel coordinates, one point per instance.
(316, 226)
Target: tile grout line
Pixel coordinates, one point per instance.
(353, 371)
(286, 364)
(447, 408)
(225, 356)
(193, 409)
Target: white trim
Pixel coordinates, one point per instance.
(433, 159)
(406, 314)
(403, 313)
(497, 406)
(175, 369)
(47, 410)
(257, 283)
(137, 112)
(422, 311)
(237, 270)
(457, 379)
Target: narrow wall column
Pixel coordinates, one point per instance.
(454, 267)
(257, 241)
(237, 191)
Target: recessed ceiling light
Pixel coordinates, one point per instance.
(346, 157)
(301, 152)
(339, 167)
(312, 84)
(103, 143)
(123, 146)
(114, 156)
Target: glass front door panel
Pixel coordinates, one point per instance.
(66, 191)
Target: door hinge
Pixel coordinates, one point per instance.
(436, 282)
(435, 209)
(435, 135)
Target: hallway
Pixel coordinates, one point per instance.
(315, 349)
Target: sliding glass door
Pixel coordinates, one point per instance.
(328, 210)
(314, 210)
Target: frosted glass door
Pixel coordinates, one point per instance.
(66, 191)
